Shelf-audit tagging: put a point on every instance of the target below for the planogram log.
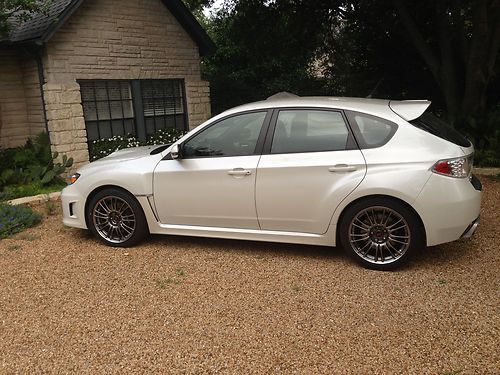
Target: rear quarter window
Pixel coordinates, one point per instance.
(436, 126)
(371, 131)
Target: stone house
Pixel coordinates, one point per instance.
(93, 69)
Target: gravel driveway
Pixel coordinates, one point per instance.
(191, 305)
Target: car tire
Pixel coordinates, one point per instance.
(116, 218)
(380, 233)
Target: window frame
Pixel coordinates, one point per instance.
(139, 119)
(351, 140)
(357, 133)
(260, 139)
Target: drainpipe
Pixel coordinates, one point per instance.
(41, 81)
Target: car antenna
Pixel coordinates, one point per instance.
(375, 88)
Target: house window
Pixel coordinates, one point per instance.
(136, 107)
(163, 105)
(107, 108)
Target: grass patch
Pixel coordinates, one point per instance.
(179, 271)
(14, 247)
(27, 237)
(296, 288)
(163, 283)
(15, 219)
(35, 188)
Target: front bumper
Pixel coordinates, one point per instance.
(73, 207)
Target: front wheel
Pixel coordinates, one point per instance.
(116, 218)
(380, 233)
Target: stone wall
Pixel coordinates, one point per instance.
(66, 123)
(113, 39)
(14, 124)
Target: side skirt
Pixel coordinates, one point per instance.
(326, 239)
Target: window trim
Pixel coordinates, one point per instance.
(357, 133)
(260, 140)
(351, 140)
(139, 121)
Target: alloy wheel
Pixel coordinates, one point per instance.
(114, 219)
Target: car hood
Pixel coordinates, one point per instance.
(124, 155)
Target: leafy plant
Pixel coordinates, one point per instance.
(32, 163)
(14, 219)
(104, 147)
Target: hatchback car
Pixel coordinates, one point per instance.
(383, 178)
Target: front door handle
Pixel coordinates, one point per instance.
(239, 172)
(341, 168)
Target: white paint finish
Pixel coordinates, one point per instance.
(217, 192)
(295, 196)
(409, 109)
(299, 193)
(447, 206)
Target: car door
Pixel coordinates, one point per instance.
(310, 163)
(213, 181)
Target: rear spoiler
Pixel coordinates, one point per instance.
(409, 109)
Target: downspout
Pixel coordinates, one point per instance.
(41, 81)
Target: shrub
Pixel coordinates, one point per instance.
(31, 163)
(14, 219)
(165, 136)
(104, 147)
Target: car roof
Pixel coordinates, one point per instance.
(377, 107)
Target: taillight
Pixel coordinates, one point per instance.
(459, 167)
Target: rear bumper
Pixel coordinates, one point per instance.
(449, 208)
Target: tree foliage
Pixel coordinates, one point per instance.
(12, 11)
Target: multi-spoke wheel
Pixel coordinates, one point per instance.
(116, 218)
(379, 233)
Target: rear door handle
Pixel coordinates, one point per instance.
(341, 168)
(239, 172)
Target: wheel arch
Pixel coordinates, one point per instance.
(98, 189)
(381, 196)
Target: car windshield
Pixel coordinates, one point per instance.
(434, 125)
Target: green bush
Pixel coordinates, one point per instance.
(16, 191)
(165, 136)
(14, 219)
(31, 163)
(104, 147)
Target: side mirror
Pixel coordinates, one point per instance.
(175, 151)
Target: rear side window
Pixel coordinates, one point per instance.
(440, 128)
(371, 131)
(304, 130)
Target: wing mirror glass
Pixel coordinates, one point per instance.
(175, 151)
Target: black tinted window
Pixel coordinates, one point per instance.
(234, 136)
(309, 131)
(439, 128)
(371, 131)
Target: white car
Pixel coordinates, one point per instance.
(383, 178)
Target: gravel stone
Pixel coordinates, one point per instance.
(191, 305)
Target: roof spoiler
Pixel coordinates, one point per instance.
(409, 109)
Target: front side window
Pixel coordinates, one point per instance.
(309, 131)
(107, 108)
(233, 136)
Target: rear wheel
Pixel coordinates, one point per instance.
(380, 233)
(116, 218)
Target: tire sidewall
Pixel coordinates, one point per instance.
(416, 233)
(141, 224)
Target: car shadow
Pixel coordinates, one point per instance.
(257, 248)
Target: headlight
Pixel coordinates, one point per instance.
(73, 178)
